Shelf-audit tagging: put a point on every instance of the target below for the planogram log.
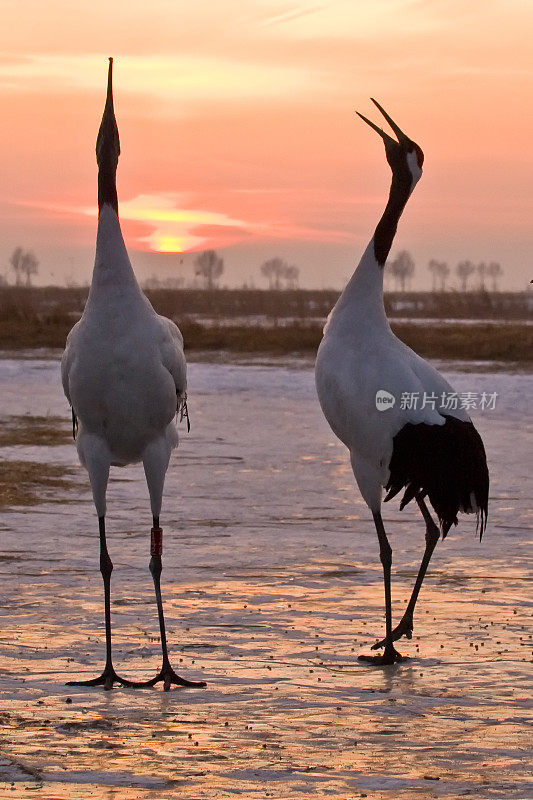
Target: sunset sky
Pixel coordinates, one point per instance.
(238, 132)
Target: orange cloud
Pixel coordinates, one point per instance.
(169, 227)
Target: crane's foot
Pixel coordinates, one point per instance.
(404, 628)
(170, 678)
(390, 656)
(106, 679)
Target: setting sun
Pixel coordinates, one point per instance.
(171, 244)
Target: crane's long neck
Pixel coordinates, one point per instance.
(362, 298)
(108, 150)
(401, 187)
(113, 274)
(107, 186)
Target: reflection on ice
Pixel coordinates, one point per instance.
(272, 587)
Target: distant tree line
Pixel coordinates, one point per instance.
(280, 274)
(209, 267)
(402, 269)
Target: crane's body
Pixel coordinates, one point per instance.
(424, 447)
(123, 370)
(124, 375)
(360, 356)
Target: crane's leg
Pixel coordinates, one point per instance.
(155, 461)
(390, 655)
(405, 626)
(95, 456)
(166, 673)
(108, 676)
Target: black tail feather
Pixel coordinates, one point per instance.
(445, 462)
(409, 493)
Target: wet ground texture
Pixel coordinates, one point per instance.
(272, 588)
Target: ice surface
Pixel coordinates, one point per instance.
(272, 587)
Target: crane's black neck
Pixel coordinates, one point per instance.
(361, 302)
(400, 190)
(107, 186)
(108, 150)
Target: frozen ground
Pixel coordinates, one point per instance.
(272, 587)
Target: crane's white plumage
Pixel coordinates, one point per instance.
(124, 375)
(425, 447)
(123, 372)
(359, 355)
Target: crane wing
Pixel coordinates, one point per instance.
(433, 383)
(172, 356)
(67, 359)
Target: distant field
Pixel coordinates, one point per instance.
(487, 342)
(286, 322)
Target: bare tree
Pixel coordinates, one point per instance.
(444, 272)
(15, 262)
(433, 267)
(29, 266)
(494, 270)
(402, 267)
(464, 270)
(275, 269)
(292, 274)
(209, 266)
(482, 271)
(23, 262)
(440, 271)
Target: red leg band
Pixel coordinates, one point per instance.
(156, 543)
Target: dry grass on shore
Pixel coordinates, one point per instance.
(28, 483)
(43, 431)
(480, 342)
(486, 342)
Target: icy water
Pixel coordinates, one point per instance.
(272, 587)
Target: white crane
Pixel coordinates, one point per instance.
(124, 375)
(396, 414)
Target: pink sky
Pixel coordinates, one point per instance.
(238, 132)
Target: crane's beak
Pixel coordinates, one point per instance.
(107, 142)
(402, 138)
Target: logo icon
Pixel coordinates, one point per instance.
(384, 400)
